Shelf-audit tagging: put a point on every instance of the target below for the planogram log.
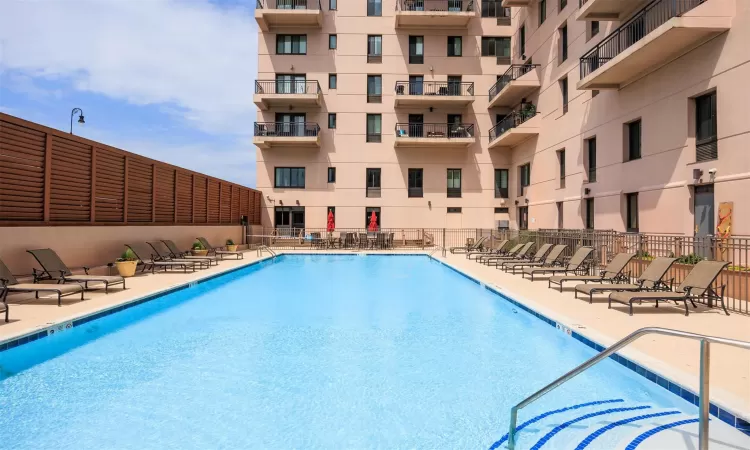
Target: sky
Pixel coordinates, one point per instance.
(168, 79)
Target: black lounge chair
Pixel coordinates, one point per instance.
(469, 248)
(552, 258)
(520, 255)
(650, 280)
(497, 251)
(576, 264)
(175, 253)
(697, 284)
(612, 273)
(54, 269)
(9, 284)
(162, 251)
(219, 251)
(146, 255)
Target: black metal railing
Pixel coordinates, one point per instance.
(449, 88)
(434, 130)
(287, 87)
(437, 5)
(513, 73)
(582, 2)
(511, 121)
(288, 4)
(286, 129)
(636, 28)
(494, 8)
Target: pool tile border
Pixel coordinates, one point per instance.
(722, 414)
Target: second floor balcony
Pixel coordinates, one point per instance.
(655, 35)
(286, 134)
(517, 82)
(606, 9)
(286, 93)
(515, 128)
(434, 93)
(271, 14)
(431, 135)
(434, 13)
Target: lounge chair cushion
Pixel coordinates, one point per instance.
(563, 278)
(102, 278)
(589, 288)
(63, 288)
(626, 297)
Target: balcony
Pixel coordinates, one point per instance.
(652, 37)
(284, 94)
(272, 14)
(606, 9)
(517, 82)
(516, 3)
(445, 135)
(434, 93)
(515, 128)
(286, 134)
(434, 13)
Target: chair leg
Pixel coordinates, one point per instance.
(631, 307)
(687, 311)
(59, 298)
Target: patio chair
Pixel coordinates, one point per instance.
(163, 253)
(9, 284)
(498, 250)
(146, 255)
(175, 253)
(362, 240)
(650, 280)
(697, 284)
(505, 254)
(552, 258)
(520, 255)
(218, 250)
(476, 245)
(389, 242)
(612, 273)
(576, 264)
(54, 269)
(380, 241)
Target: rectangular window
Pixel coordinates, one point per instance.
(632, 212)
(501, 183)
(374, 89)
(332, 81)
(502, 210)
(455, 46)
(564, 93)
(289, 177)
(374, 49)
(454, 183)
(496, 46)
(332, 41)
(331, 174)
(542, 11)
(415, 182)
(594, 28)
(559, 215)
(454, 210)
(373, 127)
(290, 124)
(416, 49)
(591, 158)
(332, 5)
(291, 44)
(706, 131)
(374, 8)
(563, 43)
(634, 140)
(331, 120)
(524, 178)
(561, 160)
(454, 88)
(563, 4)
(368, 214)
(523, 217)
(373, 183)
(494, 8)
(290, 83)
(589, 213)
(522, 41)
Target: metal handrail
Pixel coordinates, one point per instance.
(434, 130)
(440, 88)
(286, 129)
(703, 394)
(514, 72)
(435, 5)
(438, 247)
(287, 87)
(260, 249)
(289, 4)
(512, 120)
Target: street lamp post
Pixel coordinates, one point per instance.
(80, 117)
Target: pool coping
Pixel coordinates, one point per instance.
(716, 409)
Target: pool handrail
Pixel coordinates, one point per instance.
(703, 394)
(438, 247)
(262, 247)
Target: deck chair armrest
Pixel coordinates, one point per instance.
(3, 282)
(86, 269)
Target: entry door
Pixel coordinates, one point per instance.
(298, 218)
(703, 208)
(416, 127)
(290, 124)
(416, 83)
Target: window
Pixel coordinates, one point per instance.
(589, 213)
(415, 182)
(416, 85)
(454, 120)
(289, 177)
(493, 8)
(633, 140)
(373, 183)
(564, 93)
(332, 5)
(416, 49)
(496, 46)
(332, 81)
(563, 4)
(501, 183)
(454, 210)
(523, 217)
(454, 88)
(706, 142)
(542, 11)
(291, 44)
(374, 89)
(368, 215)
(594, 28)
(331, 120)
(631, 201)
(502, 210)
(454, 46)
(332, 41)
(289, 220)
(454, 183)
(374, 49)
(524, 177)
(559, 215)
(373, 127)
(331, 174)
(290, 83)
(561, 160)
(591, 158)
(291, 124)
(522, 41)
(563, 43)
(374, 8)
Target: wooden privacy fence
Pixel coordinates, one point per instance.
(48, 177)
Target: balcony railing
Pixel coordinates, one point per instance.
(288, 4)
(435, 130)
(636, 28)
(448, 88)
(511, 121)
(513, 73)
(287, 87)
(437, 5)
(286, 129)
(582, 2)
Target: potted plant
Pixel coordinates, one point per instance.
(126, 264)
(198, 249)
(231, 246)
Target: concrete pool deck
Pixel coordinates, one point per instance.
(673, 358)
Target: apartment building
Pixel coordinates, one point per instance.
(626, 115)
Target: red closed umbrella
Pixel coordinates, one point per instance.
(373, 226)
(331, 224)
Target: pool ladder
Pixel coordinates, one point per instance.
(703, 394)
(261, 248)
(438, 247)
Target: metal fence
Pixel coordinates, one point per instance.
(286, 129)
(437, 5)
(288, 4)
(510, 121)
(287, 87)
(434, 130)
(513, 73)
(447, 88)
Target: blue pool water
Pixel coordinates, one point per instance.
(308, 352)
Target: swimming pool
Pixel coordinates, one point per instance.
(321, 352)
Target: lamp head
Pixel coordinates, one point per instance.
(80, 119)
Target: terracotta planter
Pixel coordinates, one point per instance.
(203, 252)
(232, 247)
(126, 268)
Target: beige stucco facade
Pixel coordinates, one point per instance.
(655, 80)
